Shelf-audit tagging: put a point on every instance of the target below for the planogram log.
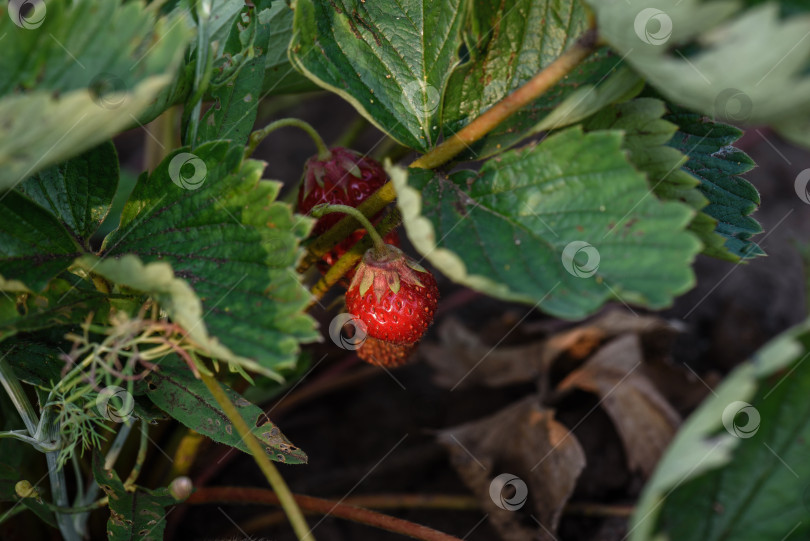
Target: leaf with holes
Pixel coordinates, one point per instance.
(390, 59)
(177, 392)
(236, 99)
(565, 225)
(226, 236)
(135, 512)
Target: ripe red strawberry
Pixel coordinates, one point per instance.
(382, 353)
(393, 295)
(345, 178)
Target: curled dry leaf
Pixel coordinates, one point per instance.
(644, 419)
(462, 360)
(523, 440)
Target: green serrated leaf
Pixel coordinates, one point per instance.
(77, 76)
(567, 225)
(175, 390)
(34, 245)
(79, 192)
(511, 42)
(691, 50)
(717, 165)
(391, 59)
(228, 239)
(660, 143)
(737, 469)
(138, 513)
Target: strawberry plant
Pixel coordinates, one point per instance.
(560, 155)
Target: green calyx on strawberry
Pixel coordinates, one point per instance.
(393, 295)
(344, 177)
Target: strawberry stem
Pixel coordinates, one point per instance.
(258, 136)
(326, 208)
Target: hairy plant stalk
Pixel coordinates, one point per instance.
(353, 256)
(259, 135)
(279, 486)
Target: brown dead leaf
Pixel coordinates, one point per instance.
(463, 361)
(644, 420)
(523, 440)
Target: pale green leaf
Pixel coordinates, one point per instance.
(717, 58)
(81, 76)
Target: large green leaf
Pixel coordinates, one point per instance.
(78, 76)
(660, 148)
(78, 192)
(738, 468)
(137, 513)
(509, 43)
(691, 50)
(177, 392)
(231, 242)
(390, 58)
(566, 224)
(34, 245)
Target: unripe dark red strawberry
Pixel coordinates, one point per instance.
(387, 354)
(345, 178)
(393, 295)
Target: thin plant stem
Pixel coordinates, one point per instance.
(258, 136)
(325, 208)
(322, 506)
(522, 96)
(380, 501)
(141, 456)
(355, 129)
(353, 256)
(271, 473)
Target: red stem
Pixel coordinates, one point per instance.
(319, 505)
